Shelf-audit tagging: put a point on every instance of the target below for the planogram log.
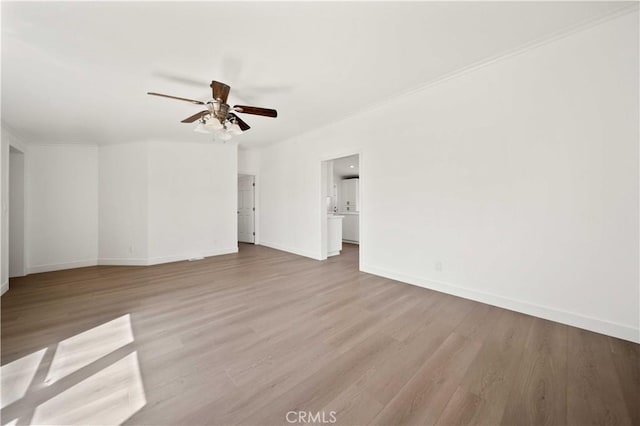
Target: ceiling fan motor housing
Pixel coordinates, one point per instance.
(219, 109)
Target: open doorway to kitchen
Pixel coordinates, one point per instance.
(341, 206)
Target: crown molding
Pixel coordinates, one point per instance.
(629, 7)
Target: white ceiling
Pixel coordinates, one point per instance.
(77, 72)
(343, 166)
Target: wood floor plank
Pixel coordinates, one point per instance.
(538, 395)
(353, 406)
(594, 393)
(461, 409)
(244, 338)
(489, 379)
(393, 373)
(318, 390)
(424, 397)
(626, 358)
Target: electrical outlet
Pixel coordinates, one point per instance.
(438, 266)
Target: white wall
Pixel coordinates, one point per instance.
(248, 161)
(62, 213)
(123, 204)
(520, 178)
(192, 200)
(16, 213)
(164, 201)
(291, 196)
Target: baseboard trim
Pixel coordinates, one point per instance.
(4, 288)
(609, 328)
(123, 262)
(288, 249)
(61, 266)
(180, 257)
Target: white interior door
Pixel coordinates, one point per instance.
(246, 209)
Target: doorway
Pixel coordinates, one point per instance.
(16, 213)
(341, 206)
(246, 209)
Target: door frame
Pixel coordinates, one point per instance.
(255, 206)
(323, 203)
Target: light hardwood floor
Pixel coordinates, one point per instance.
(248, 337)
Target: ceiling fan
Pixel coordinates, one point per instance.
(219, 117)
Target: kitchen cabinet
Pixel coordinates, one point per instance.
(350, 195)
(334, 234)
(351, 227)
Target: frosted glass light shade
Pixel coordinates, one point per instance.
(223, 135)
(201, 128)
(209, 126)
(214, 124)
(234, 129)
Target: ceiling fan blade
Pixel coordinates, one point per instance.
(195, 117)
(220, 91)
(267, 112)
(193, 101)
(243, 126)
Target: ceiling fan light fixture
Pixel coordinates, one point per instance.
(223, 135)
(213, 124)
(234, 129)
(202, 127)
